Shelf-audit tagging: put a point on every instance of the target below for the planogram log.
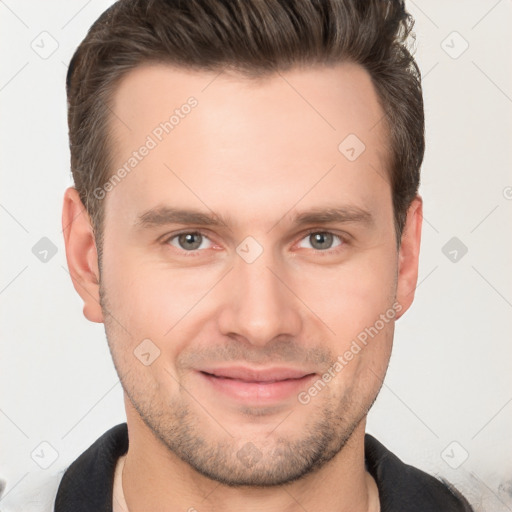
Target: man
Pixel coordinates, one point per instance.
(246, 223)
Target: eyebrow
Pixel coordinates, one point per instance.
(164, 215)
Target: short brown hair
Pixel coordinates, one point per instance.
(255, 38)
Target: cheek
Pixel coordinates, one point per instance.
(351, 296)
(150, 299)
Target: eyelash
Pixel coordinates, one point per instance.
(343, 239)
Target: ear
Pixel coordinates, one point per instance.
(408, 256)
(81, 254)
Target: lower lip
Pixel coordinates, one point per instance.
(258, 391)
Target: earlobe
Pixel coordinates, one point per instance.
(408, 257)
(81, 253)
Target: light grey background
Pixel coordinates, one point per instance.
(448, 391)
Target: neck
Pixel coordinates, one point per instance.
(155, 479)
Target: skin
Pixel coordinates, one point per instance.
(257, 154)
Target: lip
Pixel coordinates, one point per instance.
(256, 385)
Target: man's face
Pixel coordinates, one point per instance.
(247, 314)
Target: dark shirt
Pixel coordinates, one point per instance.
(87, 484)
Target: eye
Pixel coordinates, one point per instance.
(321, 240)
(189, 241)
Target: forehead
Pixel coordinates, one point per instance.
(272, 139)
(331, 99)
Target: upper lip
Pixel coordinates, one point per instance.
(247, 374)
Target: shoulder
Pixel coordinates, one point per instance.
(87, 482)
(404, 487)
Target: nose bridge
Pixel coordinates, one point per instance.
(259, 306)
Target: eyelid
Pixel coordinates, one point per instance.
(189, 231)
(342, 236)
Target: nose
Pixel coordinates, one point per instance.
(259, 305)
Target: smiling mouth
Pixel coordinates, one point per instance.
(254, 381)
(251, 386)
